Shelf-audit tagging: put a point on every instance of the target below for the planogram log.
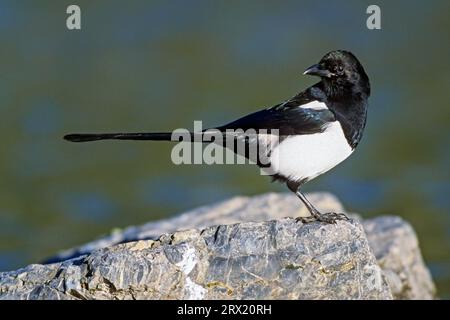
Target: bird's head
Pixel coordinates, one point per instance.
(341, 73)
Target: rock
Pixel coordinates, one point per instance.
(264, 207)
(243, 256)
(396, 248)
(278, 259)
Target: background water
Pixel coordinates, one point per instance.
(141, 65)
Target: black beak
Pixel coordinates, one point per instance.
(318, 70)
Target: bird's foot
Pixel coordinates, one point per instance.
(331, 217)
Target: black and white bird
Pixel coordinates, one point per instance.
(317, 128)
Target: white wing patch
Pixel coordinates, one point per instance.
(315, 105)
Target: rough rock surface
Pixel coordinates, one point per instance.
(254, 259)
(264, 207)
(280, 259)
(396, 248)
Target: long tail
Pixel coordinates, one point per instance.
(84, 137)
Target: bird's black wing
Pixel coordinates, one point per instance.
(288, 117)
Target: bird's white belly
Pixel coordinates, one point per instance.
(307, 156)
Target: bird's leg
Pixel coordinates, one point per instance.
(316, 215)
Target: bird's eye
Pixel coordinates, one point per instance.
(340, 69)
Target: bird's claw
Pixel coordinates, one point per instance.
(331, 217)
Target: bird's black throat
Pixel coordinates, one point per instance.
(352, 120)
(348, 100)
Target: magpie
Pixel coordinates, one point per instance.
(316, 129)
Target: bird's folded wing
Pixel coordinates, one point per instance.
(287, 120)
